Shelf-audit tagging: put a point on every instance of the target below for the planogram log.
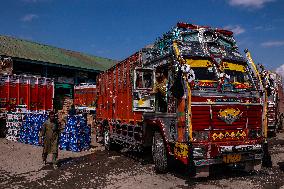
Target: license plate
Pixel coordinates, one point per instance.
(232, 158)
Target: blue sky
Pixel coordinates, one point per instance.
(117, 28)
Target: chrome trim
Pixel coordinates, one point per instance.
(240, 148)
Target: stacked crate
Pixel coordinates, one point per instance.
(32, 125)
(13, 125)
(77, 134)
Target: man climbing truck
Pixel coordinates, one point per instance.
(211, 110)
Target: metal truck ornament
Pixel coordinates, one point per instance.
(230, 115)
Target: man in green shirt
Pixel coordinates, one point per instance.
(50, 134)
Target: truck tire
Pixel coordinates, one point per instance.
(159, 153)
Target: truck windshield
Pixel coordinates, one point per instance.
(237, 76)
(204, 73)
(204, 70)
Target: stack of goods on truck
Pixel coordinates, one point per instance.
(85, 95)
(34, 92)
(76, 135)
(13, 124)
(67, 103)
(31, 127)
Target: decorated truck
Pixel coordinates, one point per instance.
(191, 95)
(273, 85)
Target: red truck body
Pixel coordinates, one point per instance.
(85, 95)
(210, 120)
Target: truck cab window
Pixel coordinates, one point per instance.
(238, 75)
(204, 73)
(144, 79)
(203, 69)
(160, 90)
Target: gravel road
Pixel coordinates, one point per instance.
(21, 167)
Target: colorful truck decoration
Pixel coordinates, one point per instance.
(191, 95)
(273, 85)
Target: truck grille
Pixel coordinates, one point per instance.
(200, 117)
(208, 117)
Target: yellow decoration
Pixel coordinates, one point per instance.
(189, 115)
(238, 135)
(232, 66)
(181, 150)
(227, 134)
(265, 97)
(199, 63)
(140, 102)
(221, 136)
(229, 111)
(215, 136)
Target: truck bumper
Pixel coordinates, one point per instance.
(230, 155)
(220, 160)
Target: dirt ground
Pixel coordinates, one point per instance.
(21, 167)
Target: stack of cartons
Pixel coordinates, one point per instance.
(31, 127)
(13, 125)
(76, 135)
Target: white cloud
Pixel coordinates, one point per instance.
(29, 17)
(237, 29)
(249, 3)
(264, 28)
(280, 70)
(272, 44)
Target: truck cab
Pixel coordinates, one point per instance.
(192, 97)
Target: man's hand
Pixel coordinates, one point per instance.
(40, 140)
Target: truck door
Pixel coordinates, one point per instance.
(143, 100)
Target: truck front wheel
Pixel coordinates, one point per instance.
(159, 153)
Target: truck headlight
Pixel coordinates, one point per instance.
(200, 136)
(255, 133)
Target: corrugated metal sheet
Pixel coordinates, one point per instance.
(24, 49)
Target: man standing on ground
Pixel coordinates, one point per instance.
(50, 133)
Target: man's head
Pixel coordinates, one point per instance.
(52, 116)
(161, 73)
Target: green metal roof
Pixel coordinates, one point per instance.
(18, 48)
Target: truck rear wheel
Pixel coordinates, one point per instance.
(159, 153)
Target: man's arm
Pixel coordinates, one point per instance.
(42, 132)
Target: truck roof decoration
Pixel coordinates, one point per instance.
(196, 42)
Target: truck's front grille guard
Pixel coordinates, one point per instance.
(249, 119)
